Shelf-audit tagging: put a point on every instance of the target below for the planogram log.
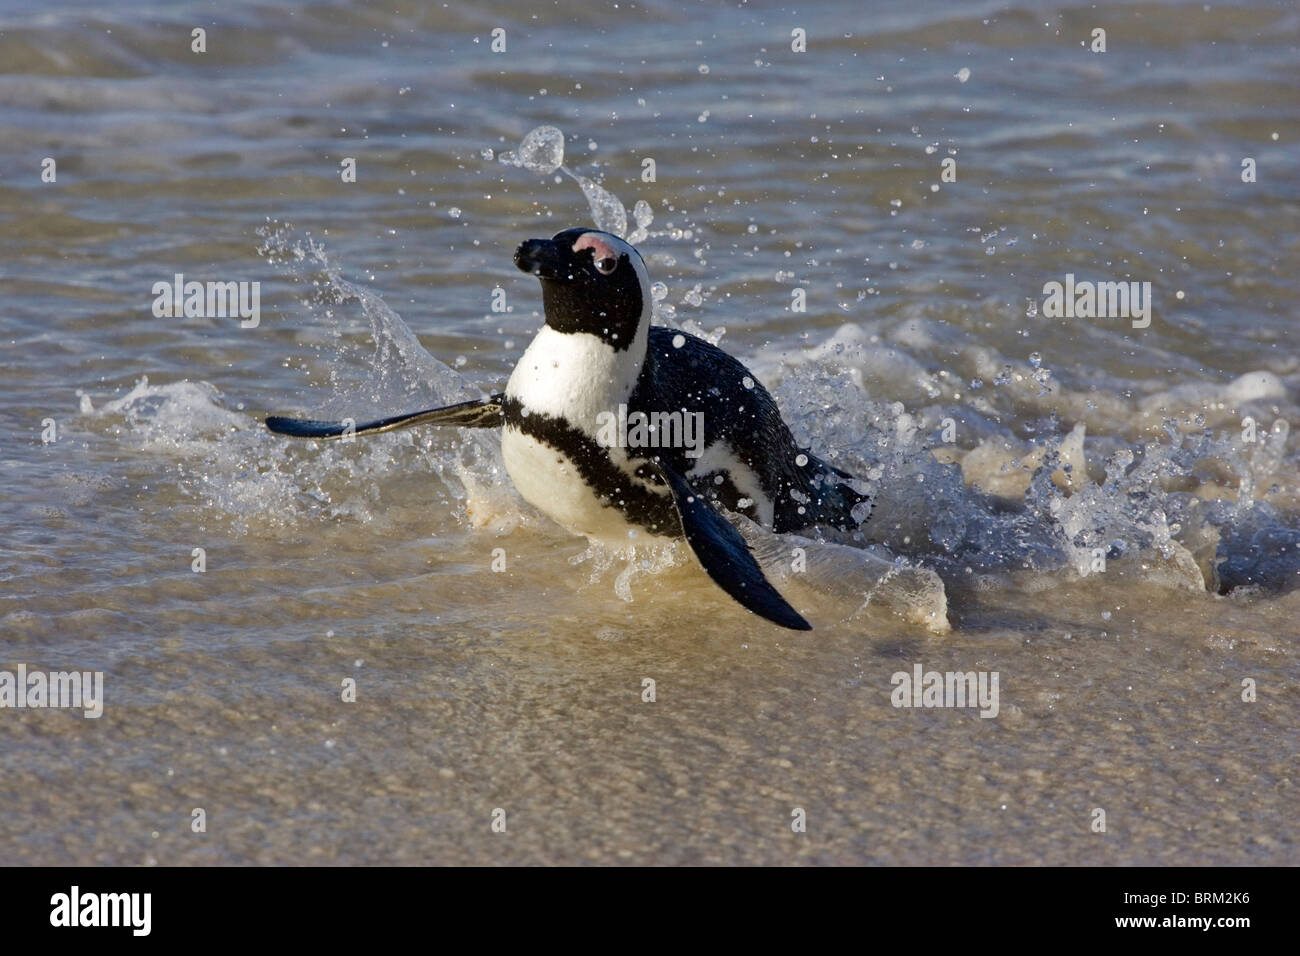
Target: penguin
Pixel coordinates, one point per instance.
(621, 430)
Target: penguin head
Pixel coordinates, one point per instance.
(592, 282)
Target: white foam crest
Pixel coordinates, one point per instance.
(238, 474)
(174, 415)
(1061, 499)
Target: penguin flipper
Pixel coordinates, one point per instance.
(725, 556)
(473, 414)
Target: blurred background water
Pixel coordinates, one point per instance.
(1007, 450)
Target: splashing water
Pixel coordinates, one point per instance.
(227, 467)
(944, 517)
(1057, 506)
(643, 216)
(542, 151)
(402, 371)
(1053, 505)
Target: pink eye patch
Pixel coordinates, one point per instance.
(600, 248)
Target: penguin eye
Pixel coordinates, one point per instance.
(607, 265)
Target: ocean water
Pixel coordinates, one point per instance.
(1102, 510)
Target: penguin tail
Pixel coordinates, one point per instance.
(834, 505)
(832, 502)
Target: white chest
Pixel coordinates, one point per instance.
(550, 482)
(575, 376)
(572, 378)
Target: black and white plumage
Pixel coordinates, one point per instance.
(599, 358)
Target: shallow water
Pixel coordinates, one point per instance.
(1076, 504)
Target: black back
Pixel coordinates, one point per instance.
(699, 377)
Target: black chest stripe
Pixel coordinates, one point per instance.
(612, 485)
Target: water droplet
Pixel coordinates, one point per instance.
(643, 214)
(607, 212)
(542, 151)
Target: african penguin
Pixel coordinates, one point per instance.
(618, 429)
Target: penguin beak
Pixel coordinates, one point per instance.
(544, 258)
